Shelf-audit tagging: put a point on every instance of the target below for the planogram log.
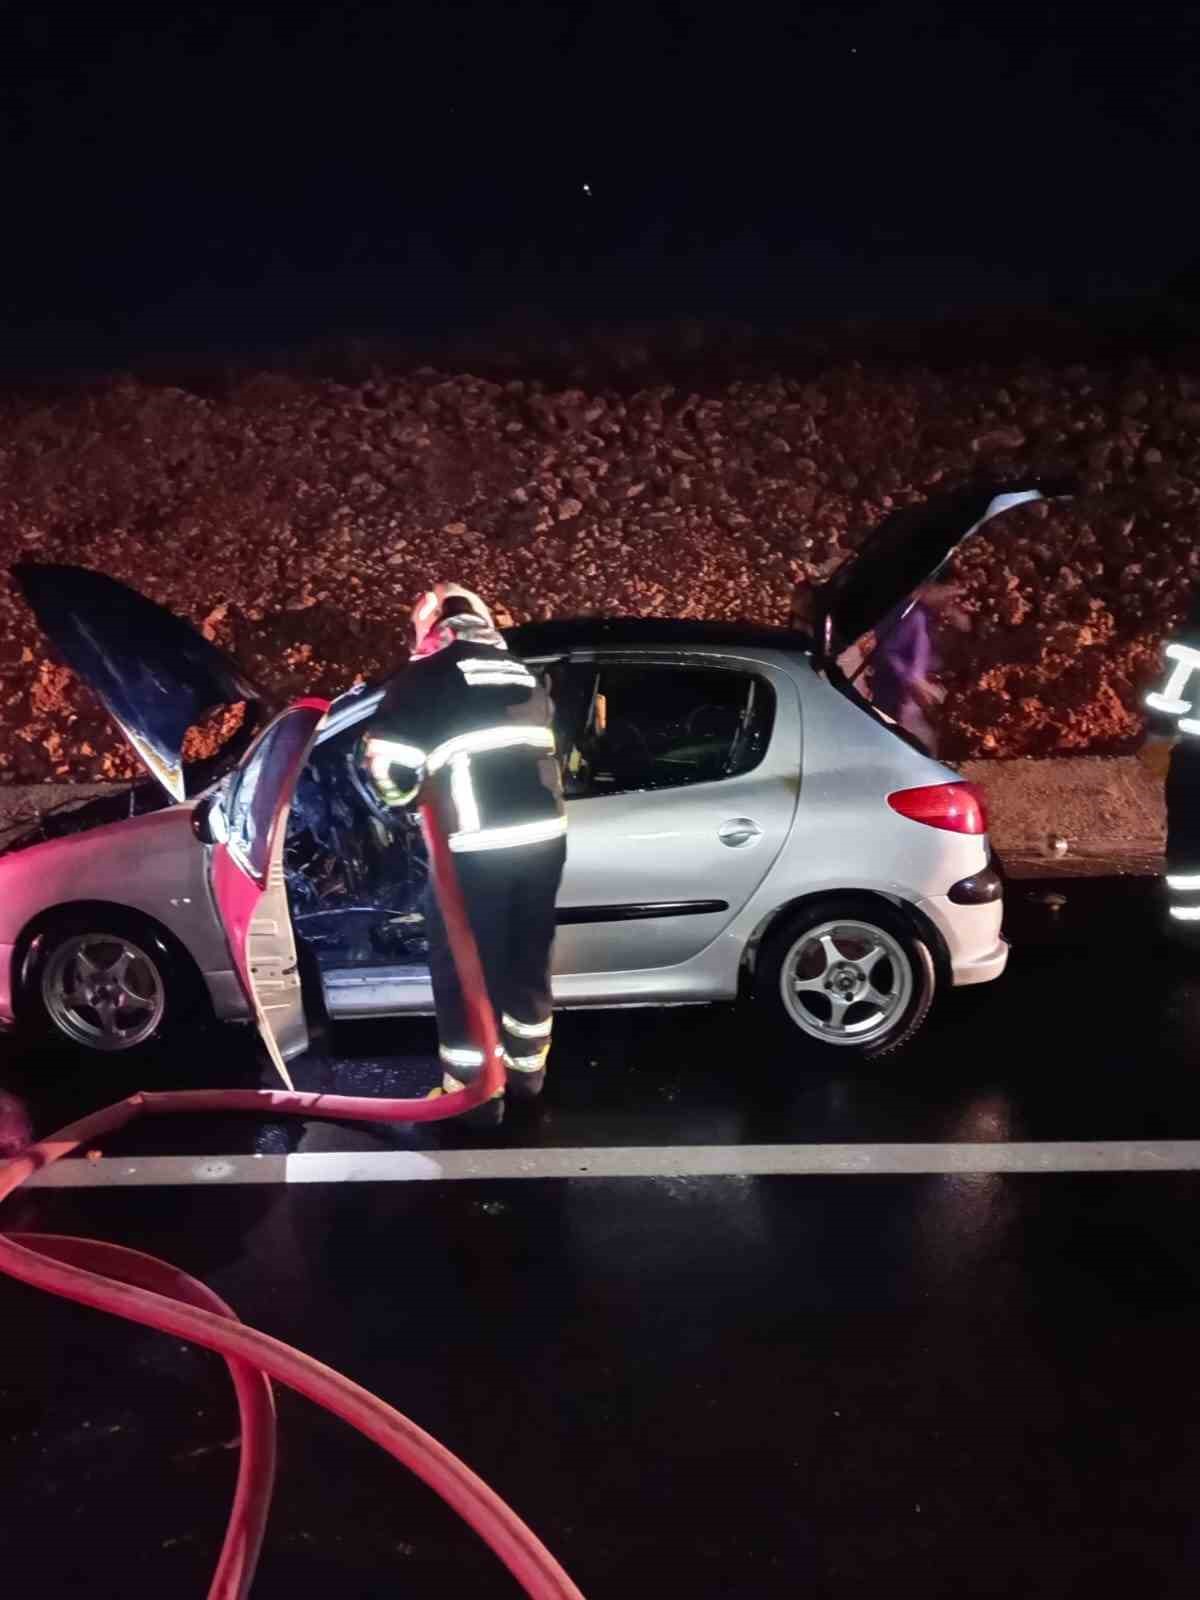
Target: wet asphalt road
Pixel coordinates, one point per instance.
(718, 1386)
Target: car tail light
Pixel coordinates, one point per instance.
(957, 807)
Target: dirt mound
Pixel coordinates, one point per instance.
(295, 518)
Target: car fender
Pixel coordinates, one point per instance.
(152, 864)
(924, 926)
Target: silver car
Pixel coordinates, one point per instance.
(741, 822)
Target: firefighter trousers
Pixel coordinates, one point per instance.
(1183, 836)
(510, 897)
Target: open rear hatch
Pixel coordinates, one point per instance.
(906, 550)
(154, 673)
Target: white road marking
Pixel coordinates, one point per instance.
(627, 1161)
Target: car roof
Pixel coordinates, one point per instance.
(560, 637)
(591, 633)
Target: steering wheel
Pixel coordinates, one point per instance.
(390, 819)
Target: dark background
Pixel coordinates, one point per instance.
(190, 179)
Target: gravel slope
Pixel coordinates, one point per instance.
(295, 518)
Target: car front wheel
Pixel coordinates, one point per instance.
(849, 975)
(103, 982)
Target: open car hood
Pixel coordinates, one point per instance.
(905, 551)
(155, 675)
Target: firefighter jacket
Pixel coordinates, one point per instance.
(1174, 705)
(473, 724)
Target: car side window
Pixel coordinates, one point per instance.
(256, 789)
(625, 727)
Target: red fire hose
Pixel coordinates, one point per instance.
(143, 1289)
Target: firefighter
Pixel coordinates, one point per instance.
(1173, 749)
(473, 724)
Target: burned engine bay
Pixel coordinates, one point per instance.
(79, 815)
(355, 881)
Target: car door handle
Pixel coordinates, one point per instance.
(738, 832)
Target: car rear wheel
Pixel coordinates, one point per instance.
(849, 976)
(105, 982)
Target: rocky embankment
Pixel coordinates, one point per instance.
(295, 518)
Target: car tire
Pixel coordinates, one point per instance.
(106, 981)
(847, 977)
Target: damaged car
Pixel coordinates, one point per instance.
(741, 823)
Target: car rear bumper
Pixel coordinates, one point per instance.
(982, 969)
(6, 985)
(976, 949)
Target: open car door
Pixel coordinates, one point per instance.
(246, 824)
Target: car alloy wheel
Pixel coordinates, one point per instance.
(104, 991)
(846, 982)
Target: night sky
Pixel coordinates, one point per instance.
(189, 180)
